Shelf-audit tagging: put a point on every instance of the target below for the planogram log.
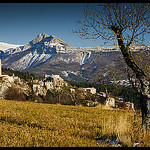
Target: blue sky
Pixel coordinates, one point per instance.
(21, 22)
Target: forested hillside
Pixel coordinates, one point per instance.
(127, 93)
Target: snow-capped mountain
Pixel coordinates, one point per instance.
(5, 46)
(39, 50)
(49, 54)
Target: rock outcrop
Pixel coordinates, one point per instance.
(12, 81)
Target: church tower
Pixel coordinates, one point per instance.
(0, 68)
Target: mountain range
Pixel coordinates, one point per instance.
(47, 54)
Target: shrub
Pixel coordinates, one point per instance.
(66, 99)
(50, 97)
(14, 94)
(32, 96)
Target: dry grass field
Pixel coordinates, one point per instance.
(28, 124)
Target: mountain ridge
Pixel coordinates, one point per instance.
(5, 46)
(49, 54)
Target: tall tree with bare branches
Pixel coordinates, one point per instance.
(126, 23)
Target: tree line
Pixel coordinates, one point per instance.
(22, 74)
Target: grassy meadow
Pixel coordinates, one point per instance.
(29, 124)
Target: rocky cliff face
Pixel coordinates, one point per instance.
(12, 81)
(49, 54)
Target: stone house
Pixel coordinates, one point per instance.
(36, 87)
(54, 81)
(119, 104)
(49, 85)
(116, 103)
(90, 90)
(110, 102)
(58, 81)
(0, 68)
(50, 82)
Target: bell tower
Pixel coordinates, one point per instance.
(0, 68)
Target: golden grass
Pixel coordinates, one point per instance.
(104, 107)
(27, 124)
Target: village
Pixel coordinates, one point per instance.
(52, 82)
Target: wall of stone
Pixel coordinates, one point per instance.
(0, 68)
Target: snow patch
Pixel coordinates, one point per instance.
(26, 61)
(5, 46)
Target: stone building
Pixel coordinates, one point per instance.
(119, 104)
(0, 68)
(50, 82)
(116, 103)
(54, 81)
(110, 102)
(91, 90)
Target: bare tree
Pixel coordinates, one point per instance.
(127, 23)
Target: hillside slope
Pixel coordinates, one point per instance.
(27, 124)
